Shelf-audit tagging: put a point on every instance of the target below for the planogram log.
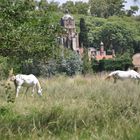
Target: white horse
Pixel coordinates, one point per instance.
(21, 80)
(122, 75)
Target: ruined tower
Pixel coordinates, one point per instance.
(70, 39)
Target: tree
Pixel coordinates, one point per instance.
(26, 33)
(121, 33)
(83, 35)
(69, 5)
(106, 8)
(97, 8)
(43, 5)
(53, 6)
(82, 8)
(132, 11)
(78, 7)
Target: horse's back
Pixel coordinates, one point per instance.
(114, 72)
(120, 74)
(26, 80)
(125, 74)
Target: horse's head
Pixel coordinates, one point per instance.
(40, 92)
(11, 76)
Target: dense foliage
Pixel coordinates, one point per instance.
(120, 33)
(103, 8)
(111, 65)
(29, 31)
(77, 107)
(83, 35)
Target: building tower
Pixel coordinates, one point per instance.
(70, 39)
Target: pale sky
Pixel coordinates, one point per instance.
(132, 3)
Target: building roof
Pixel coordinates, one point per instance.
(91, 49)
(67, 16)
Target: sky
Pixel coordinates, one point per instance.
(127, 5)
(131, 3)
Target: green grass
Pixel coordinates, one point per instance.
(78, 108)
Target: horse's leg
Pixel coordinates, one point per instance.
(33, 90)
(138, 80)
(17, 90)
(115, 80)
(26, 91)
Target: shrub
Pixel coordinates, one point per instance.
(38, 68)
(48, 69)
(111, 64)
(71, 64)
(86, 66)
(3, 67)
(6, 63)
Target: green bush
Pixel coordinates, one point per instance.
(38, 68)
(71, 64)
(86, 66)
(6, 63)
(111, 64)
(3, 66)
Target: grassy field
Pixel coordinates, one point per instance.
(78, 108)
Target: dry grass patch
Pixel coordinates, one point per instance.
(74, 108)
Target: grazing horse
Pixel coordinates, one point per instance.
(122, 75)
(21, 80)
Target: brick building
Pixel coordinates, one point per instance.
(99, 54)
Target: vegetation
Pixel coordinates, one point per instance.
(106, 8)
(30, 31)
(83, 108)
(83, 35)
(111, 64)
(73, 107)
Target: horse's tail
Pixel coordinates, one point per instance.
(112, 74)
(108, 77)
(39, 89)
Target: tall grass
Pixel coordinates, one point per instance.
(84, 108)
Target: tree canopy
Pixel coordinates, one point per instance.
(30, 29)
(106, 8)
